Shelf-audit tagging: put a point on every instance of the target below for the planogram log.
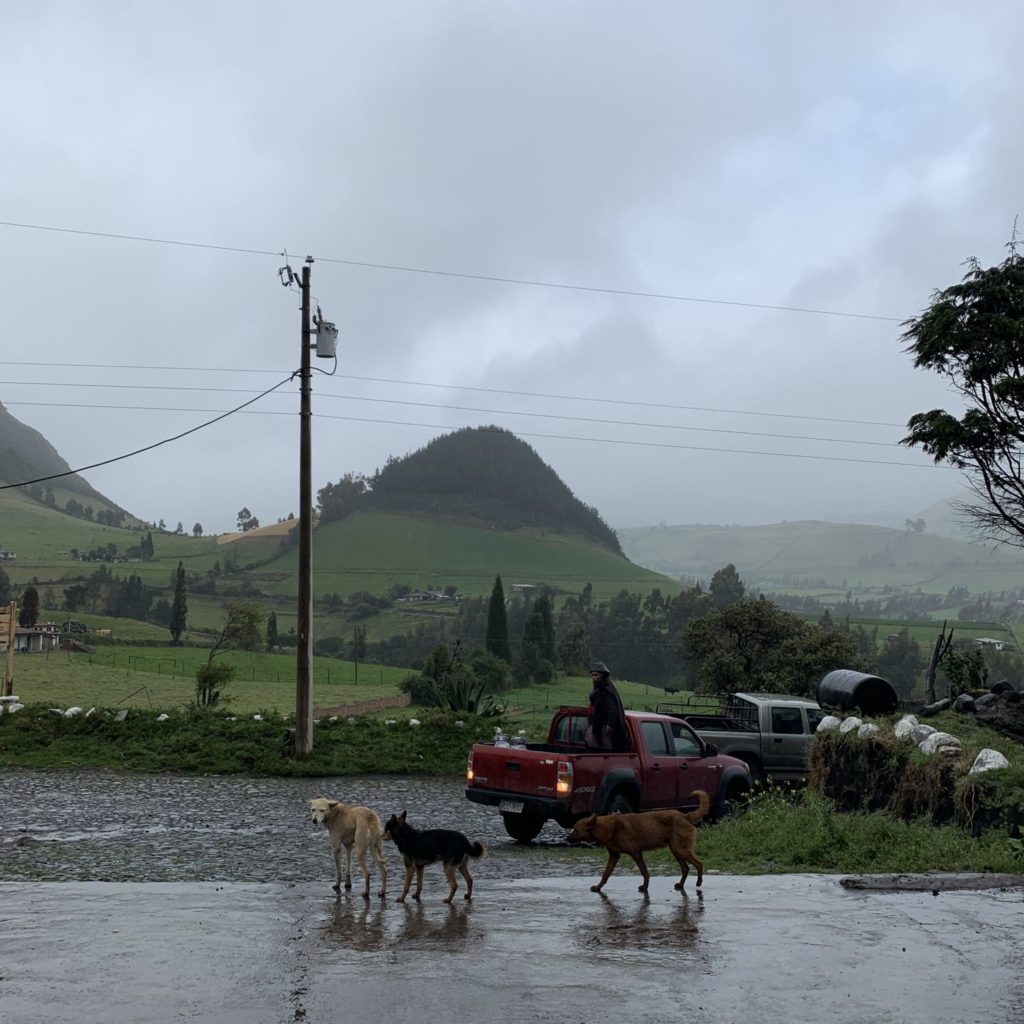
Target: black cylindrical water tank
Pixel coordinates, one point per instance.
(846, 690)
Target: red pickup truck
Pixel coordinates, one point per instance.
(563, 780)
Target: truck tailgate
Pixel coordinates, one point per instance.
(514, 770)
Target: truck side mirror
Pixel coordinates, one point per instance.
(710, 749)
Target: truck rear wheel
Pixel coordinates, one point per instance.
(736, 798)
(523, 828)
(619, 804)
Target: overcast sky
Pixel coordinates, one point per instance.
(787, 154)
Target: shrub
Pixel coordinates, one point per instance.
(209, 680)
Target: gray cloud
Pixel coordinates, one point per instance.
(787, 155)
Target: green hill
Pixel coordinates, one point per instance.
(805, 555)
(453, 514)
(26, 455)
(485, 475)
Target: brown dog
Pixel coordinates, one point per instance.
(649, 830)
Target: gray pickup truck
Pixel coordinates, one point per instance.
(771, 732)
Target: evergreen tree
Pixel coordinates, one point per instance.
(179, 606)
(532, 662)
(272, 631)
(726, 586)
(28, 613)
(546, 611)
(5, 588)
(496, 637)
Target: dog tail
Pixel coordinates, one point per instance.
(703, 808)
(477, 850)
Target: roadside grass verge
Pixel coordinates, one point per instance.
(221, 742)
(801, 832)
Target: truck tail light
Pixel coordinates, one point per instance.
(563, 777)
(469, 767)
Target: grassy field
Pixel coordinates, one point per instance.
(373, 551)
(924, 631)
(164, 678)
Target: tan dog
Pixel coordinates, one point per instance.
(649, 830)
(356, 828)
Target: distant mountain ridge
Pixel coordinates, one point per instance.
(26, 455)
(486, 475)
(830, 554)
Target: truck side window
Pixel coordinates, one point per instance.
(814, 717)
(787, 721)
(684, 742)
(654, 738)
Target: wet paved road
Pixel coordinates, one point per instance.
(218, 911)
(767, 949)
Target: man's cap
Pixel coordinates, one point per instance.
(601, 668)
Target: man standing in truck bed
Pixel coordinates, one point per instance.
(607, 728)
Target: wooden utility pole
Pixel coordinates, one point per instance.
(304, 668)
(8, 621)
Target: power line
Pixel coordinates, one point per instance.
(394, 267)
(464, 387)
(139, 451)
(463, 408)
(552, 437)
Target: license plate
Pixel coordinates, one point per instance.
(511, 806)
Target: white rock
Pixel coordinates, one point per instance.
(828, 724)
(11, 708)
(58, 711)
(257, 718)
(414, 721)
(987, 760)
(920, 733)
(91, 711)
(71, 712)
(389, 721)
(162, 717)
(851, 723)
(905, 726)
(868, 729)
(351, 720)
(121, 715)
(460, 723)
(931, 744)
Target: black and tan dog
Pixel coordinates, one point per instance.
(650, 830)
(419, 848)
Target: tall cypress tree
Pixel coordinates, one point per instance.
(543, 606)
(496, 640)
(28, 613)
(179, 607)
(272, 631)
(534, 663)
